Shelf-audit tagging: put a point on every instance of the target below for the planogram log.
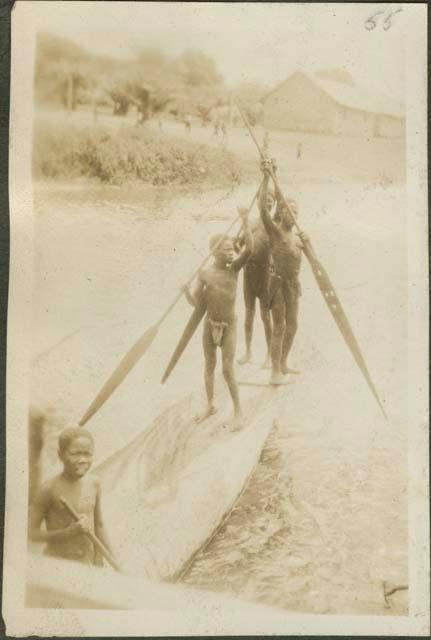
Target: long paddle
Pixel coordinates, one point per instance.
(94, 539)
(140, 347)
(324, 283)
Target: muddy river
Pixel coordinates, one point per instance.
(322, 524)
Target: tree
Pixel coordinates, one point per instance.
(197, 69)
(150, 56)
(159, 102)
(68, 74)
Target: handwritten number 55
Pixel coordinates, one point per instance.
(372, 22)
(388, 22)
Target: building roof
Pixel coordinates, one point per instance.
(354, 96)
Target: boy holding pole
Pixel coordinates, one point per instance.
(286, 250)
(218, 284)
(70, 505)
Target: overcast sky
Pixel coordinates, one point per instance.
(264, 42)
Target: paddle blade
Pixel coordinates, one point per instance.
(334, 305)
(191, 326)
(131, 358)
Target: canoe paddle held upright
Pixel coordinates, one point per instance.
(141, 346)
(323, 281)
(215, 295)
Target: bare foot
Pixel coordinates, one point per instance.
(237, 423)
(285, 370)
(245, 358)
(210, 411)
(277, 379)
(267, 363)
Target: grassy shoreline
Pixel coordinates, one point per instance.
(131, 156)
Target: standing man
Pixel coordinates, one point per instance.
(299, 151)
(285, 289)
(256, 286)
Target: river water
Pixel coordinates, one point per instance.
(322, 523)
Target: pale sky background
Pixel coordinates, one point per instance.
(264, 42)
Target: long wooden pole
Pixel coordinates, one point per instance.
(323, 281)
(94, 539)
(140, 347)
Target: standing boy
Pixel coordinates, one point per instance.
(64, 537)
(218, 284)
(286, 249)
(257, 278)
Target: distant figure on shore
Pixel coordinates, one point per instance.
(218, 286)
(216, 127)
(188, 123)
(286, 250)
(223, 133)
(299, 151)
(64, 537)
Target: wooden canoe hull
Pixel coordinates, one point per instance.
(169, 490)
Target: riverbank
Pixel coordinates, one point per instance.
(77, 149)
(113, 150)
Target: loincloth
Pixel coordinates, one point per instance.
(217, 330)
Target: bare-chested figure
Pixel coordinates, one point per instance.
(64, 537)
(257, 275)
(218, 284)
(286, 249)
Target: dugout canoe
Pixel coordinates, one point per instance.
(168, 482)
(164, 609)
(168, 491)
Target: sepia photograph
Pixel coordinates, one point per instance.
(217, 334)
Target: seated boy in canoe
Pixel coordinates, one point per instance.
(218, 285)
(64, 537)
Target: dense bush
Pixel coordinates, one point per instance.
(119, 156)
